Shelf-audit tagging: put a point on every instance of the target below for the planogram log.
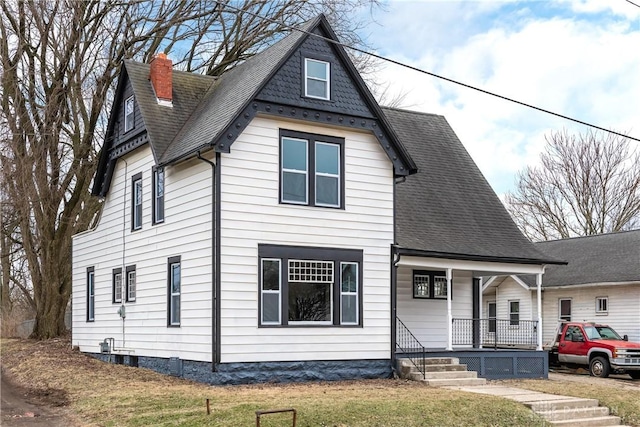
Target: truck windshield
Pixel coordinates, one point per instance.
(601, 332)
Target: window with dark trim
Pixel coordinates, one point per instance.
(311, 169)
(136, 202)
(91, 294)
(174, 291)
(307, 286)
(129, 114)
(116, 279)
(514, 312)
(565, 309)
(429, 284)
(602, 305)
(131, 283)
(157, 199)
(317, 79)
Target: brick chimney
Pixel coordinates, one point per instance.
(161, 78)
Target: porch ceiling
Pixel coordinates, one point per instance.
(479, 268)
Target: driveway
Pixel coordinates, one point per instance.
(19, 408)
(619, 381)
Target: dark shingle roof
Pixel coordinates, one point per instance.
(230, 94)
(448, 209)
(162, 122)
(613, 257)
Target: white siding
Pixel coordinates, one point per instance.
(510, 290)
(186, 232)
(251, 215)
(623, 314)
(427, 318)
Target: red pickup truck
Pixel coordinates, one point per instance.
(597, 347)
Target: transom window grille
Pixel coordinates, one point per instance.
(310, 271)
(421, 285)
(429, 284)
(440, 287)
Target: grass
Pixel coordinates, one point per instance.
(624, 403)
(97, 393)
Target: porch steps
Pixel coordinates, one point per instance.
(442, 371)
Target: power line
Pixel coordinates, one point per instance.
(635, 4)
(429, 73)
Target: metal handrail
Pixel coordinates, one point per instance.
(409, 344)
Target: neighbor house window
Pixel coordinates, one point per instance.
(602, 305)
(514, 313)
(310, 286)
(117, 285)
(131, 283)
(565, 309)
(136, 202)
(158, 195)
(312, 169)
(317, 79)
(91, 294)
(129, 118)
(429, 284)
(174, 291)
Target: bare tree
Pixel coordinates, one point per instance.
(59, 62)
(586, 184)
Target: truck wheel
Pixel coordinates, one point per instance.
(634, 374)
(599, 367)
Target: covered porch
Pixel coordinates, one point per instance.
(438, 312)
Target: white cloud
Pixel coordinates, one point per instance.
(572, 65)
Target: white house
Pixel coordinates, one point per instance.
(277, 223)
(601, 284)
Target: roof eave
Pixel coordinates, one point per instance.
(475, 257)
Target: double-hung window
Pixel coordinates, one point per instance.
(310, 286)
(565, 309)
(317, 79)
(311, 169)
(429, 284)
(131, 283)
(91, 294)
(174, 283)
(129, 117)
(117, 285)
(602, 305)
(514, 313)
(158, 195)
(136, 202)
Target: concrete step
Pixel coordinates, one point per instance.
(575, 413)
(455, 382)
(556, 404)
(588, 422)
(406, 369)
(429, 361)
(417, 376)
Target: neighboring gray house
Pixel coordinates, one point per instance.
(601, 283)
(277, 223)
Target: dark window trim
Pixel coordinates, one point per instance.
(312, 139)
(91, 300)
(128, 270)
(113, 285)
(432, 274)
(154, 216)
(513, 322)
(171, 261)
(337, 255)
(134, 179)
(133, 114)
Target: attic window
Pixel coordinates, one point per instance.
(129, 118)
(317, 81)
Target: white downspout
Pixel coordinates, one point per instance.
(449, 314)
(539, 286)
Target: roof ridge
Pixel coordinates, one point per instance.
(611, 233)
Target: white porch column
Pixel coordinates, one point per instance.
(480, 280)
(539, 286)
(449, 314)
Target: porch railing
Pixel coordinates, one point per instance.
(496, 333)
(409, 345)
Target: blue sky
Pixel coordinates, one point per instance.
(580, 58)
